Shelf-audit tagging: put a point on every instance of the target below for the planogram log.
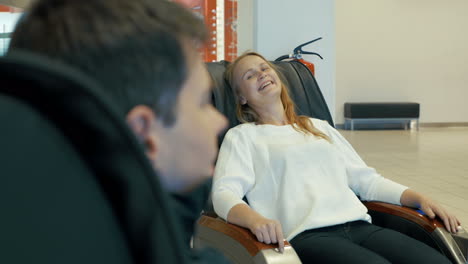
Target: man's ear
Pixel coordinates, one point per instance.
(141, 120)
(242, 100)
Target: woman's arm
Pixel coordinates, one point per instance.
(363, 180)
(266, 230)
(234, 176)
(432, 209)
(378, 188)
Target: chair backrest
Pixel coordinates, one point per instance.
(75, 186)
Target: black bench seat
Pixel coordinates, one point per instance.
(405, 112)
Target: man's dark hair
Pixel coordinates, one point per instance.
(135, 49)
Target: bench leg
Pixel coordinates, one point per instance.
(414, 123)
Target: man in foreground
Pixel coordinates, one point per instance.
(144, 56)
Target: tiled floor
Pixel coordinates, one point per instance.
(433, 161)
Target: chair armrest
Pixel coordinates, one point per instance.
(239, 244)
(454, 246)
(407, 213)
(242, 235)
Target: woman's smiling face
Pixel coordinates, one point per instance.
(256, 81)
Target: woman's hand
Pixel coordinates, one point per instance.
(430, 208)
(268, 231)
(433, 209)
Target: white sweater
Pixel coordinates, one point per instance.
(301, 180)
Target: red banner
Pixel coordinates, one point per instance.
(207, 10)
(230, 30)
(9, 9)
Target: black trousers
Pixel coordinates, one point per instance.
(362, 242)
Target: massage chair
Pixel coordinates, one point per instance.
(241, 246)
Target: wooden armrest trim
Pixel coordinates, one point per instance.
(407, 213)
(240, 234)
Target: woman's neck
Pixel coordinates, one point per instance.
(273, 114)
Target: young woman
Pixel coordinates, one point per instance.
(302, 179)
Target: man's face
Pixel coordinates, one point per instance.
(187, 150)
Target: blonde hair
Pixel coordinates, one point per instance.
(246, 114)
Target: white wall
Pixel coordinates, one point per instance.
(278, 26)
(245, 21)
(7, 24)
(403, 50)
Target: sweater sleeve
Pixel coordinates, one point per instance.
(234, 174)
(363, 180)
